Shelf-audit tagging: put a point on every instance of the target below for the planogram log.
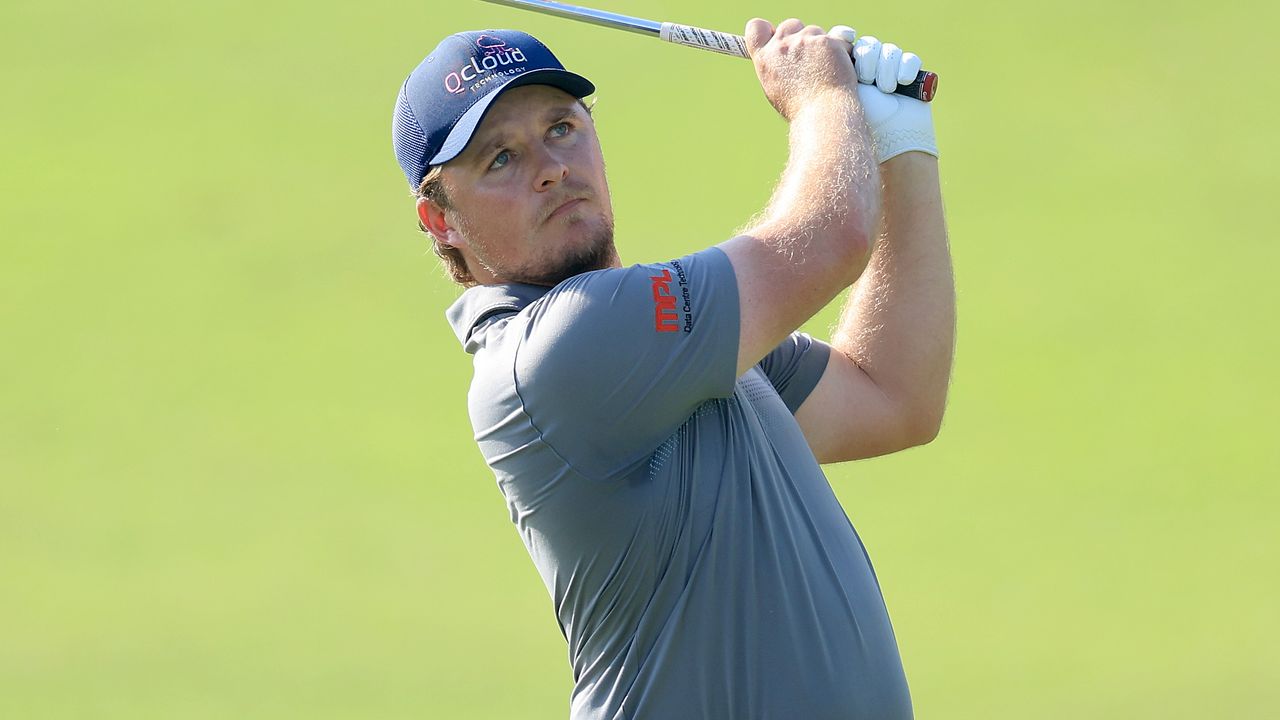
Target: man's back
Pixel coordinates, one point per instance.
(700, 565)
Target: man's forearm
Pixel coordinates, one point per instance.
(827, 203)
(816, 234)
(899, 322)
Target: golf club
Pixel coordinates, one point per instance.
(923, 88)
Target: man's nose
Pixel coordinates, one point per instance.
(551, 170)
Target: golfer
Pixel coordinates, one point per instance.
(657, 430)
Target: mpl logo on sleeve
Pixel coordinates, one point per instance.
(496, 55)
(667, 308)
(665, 318)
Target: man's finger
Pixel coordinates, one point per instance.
(757, 34)
(866, 56)
(887, 70)
(789, 27)
(909, 68)
(845, 33)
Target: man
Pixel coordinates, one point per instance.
(657, 429)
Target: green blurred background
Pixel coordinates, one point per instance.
(236, 473)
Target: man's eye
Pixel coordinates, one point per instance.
(560, 129)
(502, 159)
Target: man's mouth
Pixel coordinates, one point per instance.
(566, 208)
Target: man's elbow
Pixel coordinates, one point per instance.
(905, 431)
(923, 425)
(854, 252)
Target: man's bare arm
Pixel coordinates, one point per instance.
(814, 238)
(885, 386)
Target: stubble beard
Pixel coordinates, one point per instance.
(597, 253)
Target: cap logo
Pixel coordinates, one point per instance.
(496, 55)
(490, 44)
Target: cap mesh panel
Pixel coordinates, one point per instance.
(410, 142)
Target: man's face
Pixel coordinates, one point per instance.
(529, 200)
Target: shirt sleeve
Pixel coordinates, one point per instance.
(795, 367)
(612, 362)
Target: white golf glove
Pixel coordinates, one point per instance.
(898, 123)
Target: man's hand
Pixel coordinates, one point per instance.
(898, 123)
(797, 63)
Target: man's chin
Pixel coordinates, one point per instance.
(599, 253)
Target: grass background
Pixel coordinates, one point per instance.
(237, 477)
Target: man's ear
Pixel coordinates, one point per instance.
(434, 220)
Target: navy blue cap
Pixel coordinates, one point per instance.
(444, 99)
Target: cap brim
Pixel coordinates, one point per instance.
(460, 135)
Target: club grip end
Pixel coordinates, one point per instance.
(924, 88)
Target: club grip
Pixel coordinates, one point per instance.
(923, 88)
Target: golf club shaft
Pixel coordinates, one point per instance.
(923, 88)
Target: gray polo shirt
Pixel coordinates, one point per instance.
(699, 563)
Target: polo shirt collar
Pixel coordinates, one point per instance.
(481, 302)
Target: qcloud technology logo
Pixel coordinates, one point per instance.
(496, 55)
